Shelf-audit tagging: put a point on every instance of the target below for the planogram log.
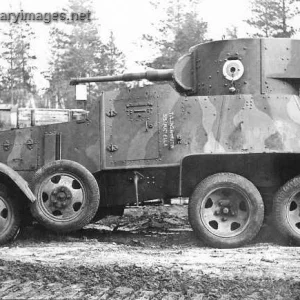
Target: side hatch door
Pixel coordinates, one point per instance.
(131, 127)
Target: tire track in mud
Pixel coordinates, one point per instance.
(155, 256)
(27, 280)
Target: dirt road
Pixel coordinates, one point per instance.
(152, 255)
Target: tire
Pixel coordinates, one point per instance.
(226, 210)
(67, 196)
(9, 217)
(286, 210)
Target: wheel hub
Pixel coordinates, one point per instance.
(225, 210)
(61, 197)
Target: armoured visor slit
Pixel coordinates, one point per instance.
(103, 125)
(58, 146)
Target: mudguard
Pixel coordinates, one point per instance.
(18, 180)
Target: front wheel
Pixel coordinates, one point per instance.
(226, 210)
(67, 196)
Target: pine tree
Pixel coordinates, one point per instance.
(180, 28)
(115, 59)
(231, 32)
(77, 51)
(18, 58)
(272, 18)
(58, 83)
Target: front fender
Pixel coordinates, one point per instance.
(18, 180)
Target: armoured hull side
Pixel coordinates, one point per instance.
(182, 126)
(28, 149)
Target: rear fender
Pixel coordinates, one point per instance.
(18, 180)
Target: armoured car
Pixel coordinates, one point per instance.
(222, 128)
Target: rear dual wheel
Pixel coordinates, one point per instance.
(286, 210)
(226, 210)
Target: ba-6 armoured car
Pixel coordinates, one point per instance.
(225, 133)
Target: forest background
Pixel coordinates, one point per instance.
(38, 59)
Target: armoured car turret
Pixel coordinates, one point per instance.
(225, 134)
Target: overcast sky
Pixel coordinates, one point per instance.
(131, 18)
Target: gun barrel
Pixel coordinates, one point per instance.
(152, 75)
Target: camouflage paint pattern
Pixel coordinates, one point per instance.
(189, 125)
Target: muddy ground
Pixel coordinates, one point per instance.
(149, 253)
